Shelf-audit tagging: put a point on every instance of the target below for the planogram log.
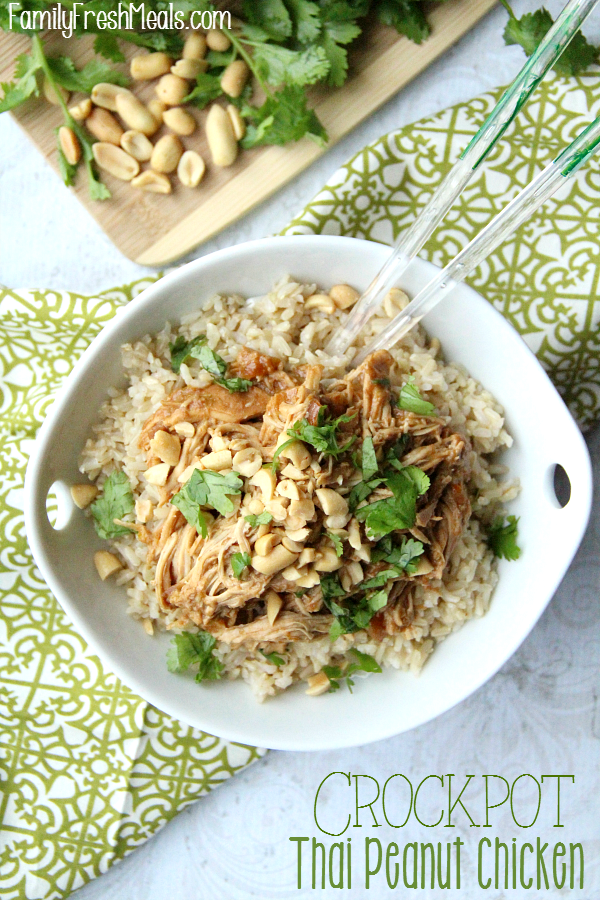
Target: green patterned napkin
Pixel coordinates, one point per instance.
(89, 770)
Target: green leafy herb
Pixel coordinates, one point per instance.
(216, 366)
(361, 491)
(24, 84)
(66, 74)
(369, 459)
(406, 16)
(404, 557)
(239, 563)
(207, 88)
(194, 650)
(531, 29)
(398, 512)
(411, 400)
(115, 502)
(323, 435)
(337, 542)
(273, 464)
(282, 118)
(274, 658)
(502, 539)
(364, 662)
(107, 46)
(334, 673)
(358, 612)
(206, 489)
(262, 518)
(181, 350)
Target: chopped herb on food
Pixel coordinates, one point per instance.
(274, 658)
(115, 502)
(411, 400)
(337, 542)
(182, 349)
(361, 491)
(191, 650)
(363, 663)
(216, 366)
(502, 539)
(404, 556)
(262, 518)
(207, 489)
(239, 563)
(369, 459)
(323, 436)
(274, 462)
(398, 512)
(358, 612)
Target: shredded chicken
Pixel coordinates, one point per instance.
(306, 496)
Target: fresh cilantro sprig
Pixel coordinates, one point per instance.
(181, 349)
(363, 663)
(399, 512)
(207, 489)
(274, 658)
(239, 564)
(197, 348)
(370, 465)
(337, 543)
(358, 612)
(404, 556)
(529, 31)
(194, 650)
(262, 518)
(411, 400)
(502, 539)
(115, 502)
(323, 436)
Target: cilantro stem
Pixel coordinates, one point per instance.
(237, 43)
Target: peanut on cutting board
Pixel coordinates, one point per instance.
(130, 131)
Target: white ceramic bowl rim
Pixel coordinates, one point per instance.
(471, 332)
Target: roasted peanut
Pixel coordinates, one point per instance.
(166, 446)
(103, 125)
(105, 95)
(69, 144)
(106, 564)
(51, 93)
(221, 139)
(264, 480)
(158, 474)
(317, 684)
(298, 454)
(263, 545)
(327, 560)
(157, 108)
(189, 68)
(343, 295)
(172, 90)
(247, 462)
(394, 302)
(81, 110)
(166, 154)
(191, 169)
(221, 459)
(185, 429)
(311, 579)
(216, 40)
(194, 46)
(143, 510)
(289, 489)
(150, 65)
(83, 494)
(179, 120)
(114, 160)
(234, 78)
(279, 558)
(137, 116)
(274, 604)
(152, 182)
(332, 503)
(237, 123)
(320, 301)
(137, 145)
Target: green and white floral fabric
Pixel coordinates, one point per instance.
(546, 278)
(89, 770)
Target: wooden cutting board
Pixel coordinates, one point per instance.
(154, 230)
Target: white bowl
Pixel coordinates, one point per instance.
(472, 333)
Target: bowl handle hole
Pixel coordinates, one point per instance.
(59, 505)
(560, 486)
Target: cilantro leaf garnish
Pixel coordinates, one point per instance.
(262, 518)
(283, 117)
(194, 650)
(216, 366)
(239, 563)
(502, 539)
(531, 29)
(359, 611)
(406, 16)
(207, 88)
(24, 84)
(181, 350)
(206, 489)
(411, 400)
(404, 556)
(369, 459)
(115, 502)
(323, 435)
(397, 513)
(361, 491)
(72, 79)
(274, 658)
(337, 543)
(363, 663)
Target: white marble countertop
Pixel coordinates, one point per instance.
(537, 715)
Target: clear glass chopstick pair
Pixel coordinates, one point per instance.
(513, 99)
(508, 220)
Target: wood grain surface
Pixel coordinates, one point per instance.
(154, 230)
